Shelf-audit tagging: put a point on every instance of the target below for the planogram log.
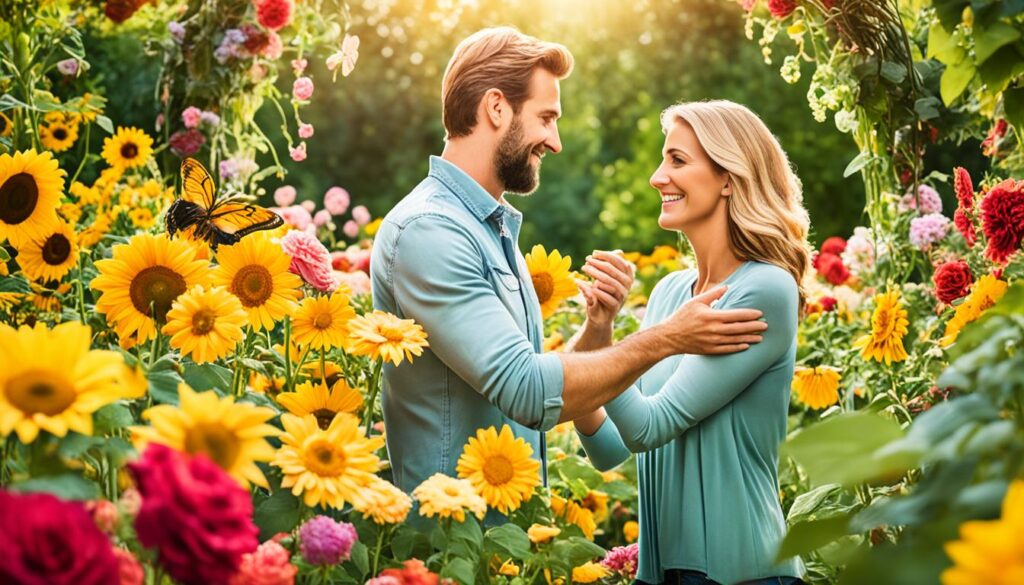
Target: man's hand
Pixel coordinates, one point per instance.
(613, 277)
(696, 328)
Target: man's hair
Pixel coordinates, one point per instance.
(501, 58)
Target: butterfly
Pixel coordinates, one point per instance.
(217, 222)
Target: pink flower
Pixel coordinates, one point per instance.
(274, 14)
(928, 229)
(305, 130)
(298, 153)
(350, 229)
(623, 560)
(269, 565)
(361, 214)
(351, 261)
(68, 66)
(324, 541)
(310, 259)
(308, 206)
(131, 571)
(302, 89)
(929, 200)
(358, 281)
(192, 116)
(299, 65)
(295, 215)
(186, 142)
(336, 200)
(274, 47)
(322, 218)
(285, 196)
(104, 514)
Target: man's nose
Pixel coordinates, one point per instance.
(554, 142)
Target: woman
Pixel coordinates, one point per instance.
(707, 428)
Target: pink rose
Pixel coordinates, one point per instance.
(284, 196)
(322, 218)
(305, 130)
(308, 206)
(274, 47)
(129, 568)
(192, 116)
(310, 259)
(298, 153)
(336, 200)
(302, 89)
(361, 214)
(350, 229)
(299, 65)
(358, 281)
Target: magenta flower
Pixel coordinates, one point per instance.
(928, 198)
(298, 153)
(622, 560)
(928, 229)
(302, 89)
(322, 541)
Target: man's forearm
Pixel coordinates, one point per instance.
(590, 337)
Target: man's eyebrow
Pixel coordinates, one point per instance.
(551, 112)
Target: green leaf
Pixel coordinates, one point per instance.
(927, 108)
(74, 445)
(574, 468)
(468, 531)
(859, 162)
(277, 513)
(807, 503)
(997, 72)
(893, 72)
(14, 284)
(942, 45)
(575, 551)
(808, 536)
(207, 377)
(508, 540)
(360, 556)
(5, 256)
(67, 486)
(955, 79)
(990, 39)
(461, 570)
(112, 417)
(1013, 107)
(105, 123)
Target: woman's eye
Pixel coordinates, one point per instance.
(677, 160)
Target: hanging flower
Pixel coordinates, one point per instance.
(1002, 220)
(302, 88)
(781, 8)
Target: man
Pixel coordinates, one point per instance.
(447, 256)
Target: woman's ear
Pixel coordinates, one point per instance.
(727, 188)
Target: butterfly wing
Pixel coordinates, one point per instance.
(197, 185)
(240, 219)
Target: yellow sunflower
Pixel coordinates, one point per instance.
(985, 292)
(51, 257)
(551, 278)
(573, 513)
(127, 148)
(385, 503)
(500, 467)
(631, 530)
(379, 334)
(990, 551)
(233, 435)
(50, 380)
(256, 271)
(589, 572)
(817, 387)
(70, 212)
(205, 323)
(264, 385)
(30, 189)
(321, 322)
(597, 502)
(142, 280)
(6, 126)
(58, 136)
(538, 533)
(317, 400)
(92, 235)
(327, 467)
(141, 217)
(888, 326)
(447, 497)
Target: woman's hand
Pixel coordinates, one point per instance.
(613, 277)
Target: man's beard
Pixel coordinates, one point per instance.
(512, 161)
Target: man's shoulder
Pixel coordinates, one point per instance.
(430, 200)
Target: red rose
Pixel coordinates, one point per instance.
(831, 268)
(1002, 220)
(781, 8)
(965, 226)
(828, 304)
(834, 245)
(186, 142)
(255, 39)
(274, 14)
(952, 281)
(45, 541)
(194, 514)
(963, 187)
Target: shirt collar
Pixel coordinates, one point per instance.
(465, 188)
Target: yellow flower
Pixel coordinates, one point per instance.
(265, 385)
(816, 387)
(447, 497)
(322, 322)
(610, 476)
(58, 136)
(52, 256)
(500, 467)
(327, 467)
(70, 212)
(256, 271)
(551, 278)
(589, 572)
(92, 235)
(509, 569)
(84, 194)
(142, 280)
(597, 502)
(127, 148)
(6, 126)
(233, 435)
(538, 533)
(555, 342)
(990, 551)
(385, 503)
(141, 217)
(631, 530)
(317, 400)
(205, 323)
(371, 228)
(888, 326)
(985, 292)
(573, 513)
(383, 335)
(30, 188)
(50, 380)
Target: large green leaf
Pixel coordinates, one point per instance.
(807, 503)
(67, 486)
(1002, 67)
(1013, 107)
(942, 45)
(991, 38)
(507, 540)
(277, 513)
(207, 377)
(461, 570)
(806, 537)
(955, 78)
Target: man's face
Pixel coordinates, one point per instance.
(533, 132)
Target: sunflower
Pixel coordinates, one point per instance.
(127, 148)
(233, 435)
(888, 326)
(327, 467)
(317, 400)
(985, 292)
(447, 497)
(989, 551)
(256, 271)
(266, 385)
(631, 530)
(589, 572)
(50, 380)
(58, 136)
(383, 335)
(141, 217)
(30, 189)
(205, 323)
(816, 387)
(50, 257)
(500, 467)
(6, 126)
(538, 533)
(142, 280)
(92, 235)
(385, 503)
(597, 502)
(551, 278)
(321, 322)
(573, 513)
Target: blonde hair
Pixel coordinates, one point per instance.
(501, 58)
(767, 219)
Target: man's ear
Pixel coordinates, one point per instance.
(495, 107)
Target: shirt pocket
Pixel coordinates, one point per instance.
(509, 289)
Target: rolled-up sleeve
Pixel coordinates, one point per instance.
(445, 288)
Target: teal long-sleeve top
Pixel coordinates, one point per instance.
(706, 430)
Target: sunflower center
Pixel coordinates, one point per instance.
(129, 150)
(157, 286)
(18, 197)
(40, 392)
(56, 249)
(324, 458)
(253, 285)
(544, 285)
(322, 321)
(324, 417)
(498, 470)
(215, 441)
(885, 324)
(60, 133)
(203, 321)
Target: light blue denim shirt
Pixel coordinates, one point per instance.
(447, 256)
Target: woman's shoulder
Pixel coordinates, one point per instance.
(764, 280)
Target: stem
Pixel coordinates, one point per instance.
(372, 398)
(323, 366)
(85, 155)
(154, 349)
(288, 354)
(81, 287)
(376, 551)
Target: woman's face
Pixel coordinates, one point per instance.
(692, 189)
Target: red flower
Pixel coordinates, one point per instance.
(198, 518)
(1002, 220)
(274, 14)
(132, 572)
(990, 146)
(781, 8)
(965, 225)
(834, 245)
(828, 304)
(964, 187)
(831, 268)
(952, 281)
(45, 541)
(255, 39)
(414, 572)
(121, 10)
(186, 142)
